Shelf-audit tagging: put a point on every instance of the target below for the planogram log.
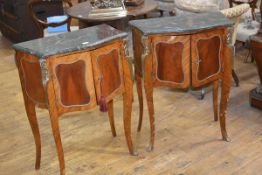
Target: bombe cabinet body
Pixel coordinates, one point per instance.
(185, 52)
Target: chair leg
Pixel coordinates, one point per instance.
(252, 58)
(202, 94)
(248, 55)
(172, 13)
(161, 13)
(110, 106)
(235, 77)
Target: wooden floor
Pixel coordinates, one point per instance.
(188, 141)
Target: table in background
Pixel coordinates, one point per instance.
(81, 12)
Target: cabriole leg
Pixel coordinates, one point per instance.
(215, 99)
(56, 133)
(225, 90)
(127, 102)
(31, 114)
(140, 100)
(148, 85)
(110, 105)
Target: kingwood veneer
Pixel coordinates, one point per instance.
(182, 52)
(73, 72)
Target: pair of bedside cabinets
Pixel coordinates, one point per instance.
(79, 70)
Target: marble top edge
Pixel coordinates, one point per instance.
(186, 23)
(88, 38)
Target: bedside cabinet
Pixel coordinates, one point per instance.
(75, 71)
(182, 52)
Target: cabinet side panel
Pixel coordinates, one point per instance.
(31, 73)
(109, 68)
(71, 78)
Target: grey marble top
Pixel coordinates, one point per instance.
(183, 23)
(88, 38)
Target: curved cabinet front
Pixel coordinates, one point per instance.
(207, 53)
(72, 79)
(107, 65)
(171, 61)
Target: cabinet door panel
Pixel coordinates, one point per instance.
(72, 78)
(171, 60)
(108, 71)
(207, 52)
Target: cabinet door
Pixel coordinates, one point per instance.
(207, 52)
(107, 67)
(171, 61)
(73, 83)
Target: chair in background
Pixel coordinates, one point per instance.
(166, 5)
(42, 23)
(234, 15)
(248, 26)
(252, 3)
(183, 7)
